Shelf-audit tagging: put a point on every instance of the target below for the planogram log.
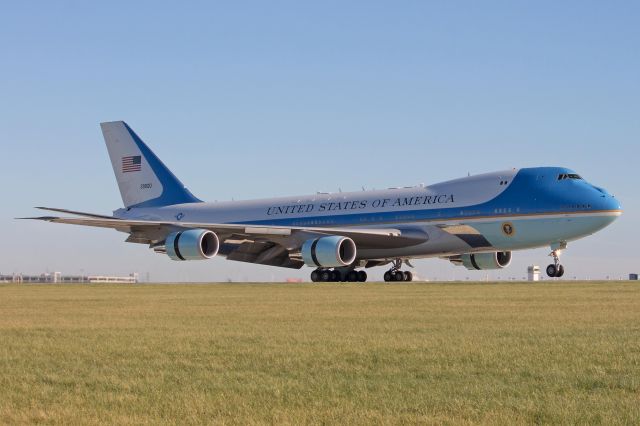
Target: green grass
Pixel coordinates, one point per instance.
(324, 353)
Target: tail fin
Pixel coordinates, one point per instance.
(143, 179)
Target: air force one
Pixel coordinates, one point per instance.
(475, 222)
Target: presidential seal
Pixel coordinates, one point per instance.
(508, 229)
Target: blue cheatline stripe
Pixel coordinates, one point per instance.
(365, 219)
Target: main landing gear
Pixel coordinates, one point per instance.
(336, 275)
(556, 270)
(395, 274)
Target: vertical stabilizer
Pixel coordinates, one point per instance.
(143, 179)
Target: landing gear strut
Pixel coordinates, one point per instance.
(395, 274)
(337, 275)
(556, 270)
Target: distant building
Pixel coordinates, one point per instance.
(58, 278)
(633, 277)
(534, 273)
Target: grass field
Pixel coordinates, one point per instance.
(323, 353)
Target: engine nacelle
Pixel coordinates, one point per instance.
(329, 252)
(484, 261)
(194, 244)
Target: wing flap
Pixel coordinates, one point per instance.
(262, 253)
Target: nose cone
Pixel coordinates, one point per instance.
(607, 206)
(602, 200)
(613, 204)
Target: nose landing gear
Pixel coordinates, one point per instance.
(556, 270)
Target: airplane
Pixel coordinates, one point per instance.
(475, 222)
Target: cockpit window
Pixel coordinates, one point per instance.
(564, 176)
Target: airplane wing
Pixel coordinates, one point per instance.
(260, 252)
(154, 232)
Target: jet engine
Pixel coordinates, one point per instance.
(483, 261)
(329, 252)
(194, 244)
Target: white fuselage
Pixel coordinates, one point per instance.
(532, 204)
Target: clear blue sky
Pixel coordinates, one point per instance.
(258, 99)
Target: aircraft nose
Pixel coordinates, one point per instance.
(607, 209)
(605, 201)
(613, 203)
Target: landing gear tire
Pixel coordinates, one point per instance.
(554, 271)
(336, 276)
(398, 276)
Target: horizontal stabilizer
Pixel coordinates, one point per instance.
(77, 213)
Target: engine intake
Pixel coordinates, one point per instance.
(194, 244)
(329, 252)
(484, 261)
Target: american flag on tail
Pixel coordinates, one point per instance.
(131, 164)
